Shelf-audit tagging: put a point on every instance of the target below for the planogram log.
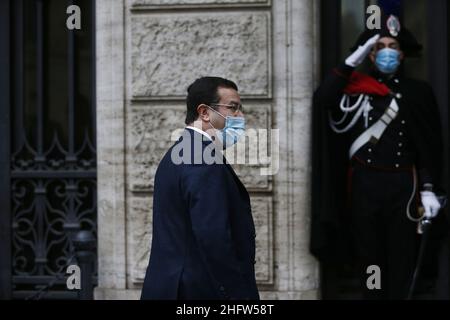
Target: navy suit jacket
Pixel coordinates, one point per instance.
(203, 244)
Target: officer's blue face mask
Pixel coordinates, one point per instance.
(233, 130)
(387, 60)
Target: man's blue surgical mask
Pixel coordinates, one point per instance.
(233, 130)
(387, 60)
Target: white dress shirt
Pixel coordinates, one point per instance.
(200, 131)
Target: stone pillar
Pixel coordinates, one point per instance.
(295, 70)
(110, 78)
(148, 52)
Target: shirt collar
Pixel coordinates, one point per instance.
(200, 131)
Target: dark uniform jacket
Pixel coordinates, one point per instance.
(413, 138)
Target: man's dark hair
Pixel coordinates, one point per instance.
(204, 91)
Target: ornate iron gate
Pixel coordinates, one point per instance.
(52, 143)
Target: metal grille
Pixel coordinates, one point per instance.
(53, 152)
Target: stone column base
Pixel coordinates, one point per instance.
(134, 294)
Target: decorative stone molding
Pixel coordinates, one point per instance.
(195, 4)
(139, 235)
(150, 131)
(263, 218)
(169, 51)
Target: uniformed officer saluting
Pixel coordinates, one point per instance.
(388, 127)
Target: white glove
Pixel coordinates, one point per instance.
(357, 57)
(430, 204)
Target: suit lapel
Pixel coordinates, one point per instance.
(205, 143)
(236, 178)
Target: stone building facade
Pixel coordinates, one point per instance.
(148, 52)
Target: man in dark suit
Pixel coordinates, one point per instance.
(203, 244)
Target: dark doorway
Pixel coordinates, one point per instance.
(341, 23)
(48, 159)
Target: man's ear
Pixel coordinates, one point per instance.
(372, 56)
(203, 113)
(402, 55)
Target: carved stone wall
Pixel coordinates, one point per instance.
(149, 51)
(160, 3)
(168, 51)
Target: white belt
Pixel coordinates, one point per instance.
(375, 132)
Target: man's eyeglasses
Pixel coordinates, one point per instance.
(233, 107)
